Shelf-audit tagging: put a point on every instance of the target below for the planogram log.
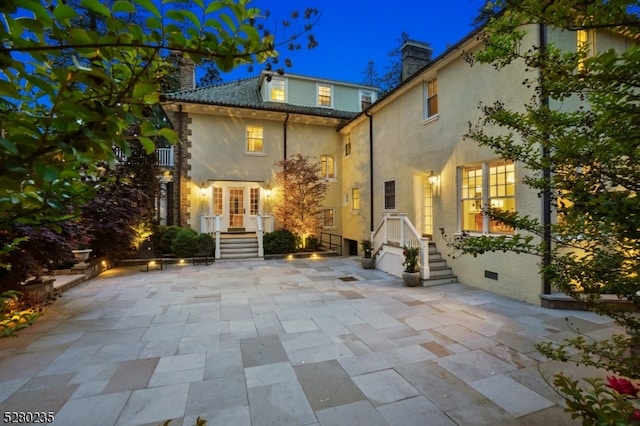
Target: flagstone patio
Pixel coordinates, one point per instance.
(286, 342)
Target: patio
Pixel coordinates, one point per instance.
(286, 342)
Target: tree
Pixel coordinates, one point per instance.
(303, 189)
(585, 164)
(59, 121)
(392, 75)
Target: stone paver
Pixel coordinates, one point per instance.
(286, 342)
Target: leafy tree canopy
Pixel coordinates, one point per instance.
(59, 118)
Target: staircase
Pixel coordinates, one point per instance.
(440, 273)
(238, 246)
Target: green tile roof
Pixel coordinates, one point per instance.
(245, 94)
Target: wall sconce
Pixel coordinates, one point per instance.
(203, 190)
(267, 192)
(433, 179)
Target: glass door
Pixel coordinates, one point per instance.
(236, 208)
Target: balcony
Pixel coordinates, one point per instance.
(164, 156)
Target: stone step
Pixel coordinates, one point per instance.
(440, 272)
(433, 281)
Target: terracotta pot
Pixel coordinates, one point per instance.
(411, 279)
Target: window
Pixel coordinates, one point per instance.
(390, 195)
(327, 166)
(324, 95)
(217, 200)
(347, 146)
(366, 99)
(254, 139)
(328, 218)
(488, 184)
(355, 198)
(254, 201)
(277, 91)
(430, 98)
(586, 42)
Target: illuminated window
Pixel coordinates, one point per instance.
(586, 46)
(327, 166)
(328, 217)
(277, 91)
(430, 90)
(486, 185)
(217, 200)
(324, 95)
(355, 198)
(254, 139)
(390, 195)
(254, 201)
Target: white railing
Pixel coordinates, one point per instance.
(397, 230)
(260, 234)
(164, 156)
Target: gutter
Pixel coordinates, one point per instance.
(286, 120)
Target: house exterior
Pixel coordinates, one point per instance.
(401, 157)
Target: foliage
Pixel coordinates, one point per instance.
(13, 314)
(280, 241)
(367, 247)
(69, 92)
(585, 164)
(206, 244)
(185, 244)
(163, 238)
(411, 258)
(303, 189)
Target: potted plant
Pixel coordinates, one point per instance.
(367, 260)
(81, 250)
(411, 274)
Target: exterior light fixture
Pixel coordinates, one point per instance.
(203, 190)
(433, 179)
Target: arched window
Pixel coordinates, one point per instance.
(327, 167)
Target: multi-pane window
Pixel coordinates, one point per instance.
(390, 195)
(254, 201)
(366, 99)
(355, 198)
(328, 217)
(430, 98)
(327, 166)
(486, 185)
(347, 146)
(277, 90)
(217, 200)
(254, 139)
(586, 42)
(324, 95)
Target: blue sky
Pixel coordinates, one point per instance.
(353, 32)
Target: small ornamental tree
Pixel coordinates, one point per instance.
(303, 189)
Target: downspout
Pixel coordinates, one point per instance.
(286, 120)
(546, 173)
(371, 228)
(178, 187)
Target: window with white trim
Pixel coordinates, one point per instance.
(490, 184)
(254, 201)
(255, 139)
(389, 191)
(586, 42)
(217, 200)
(277, 90)
(366, 99)
(355, 198)
(328, 218)
(347, 146)
(430, 94)
(325, 98)
(327, 167)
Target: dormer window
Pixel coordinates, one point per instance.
(325, 95)
(277, 90)
(366, 99)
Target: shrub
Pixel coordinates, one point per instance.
(206, 244)
(279, 242)
(185, 244)
(164, 237)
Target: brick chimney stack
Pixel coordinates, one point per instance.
(415, 55)
(187, 74)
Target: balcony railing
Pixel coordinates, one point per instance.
(164, 156)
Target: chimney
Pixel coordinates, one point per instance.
(187, 73)
(415, 55)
